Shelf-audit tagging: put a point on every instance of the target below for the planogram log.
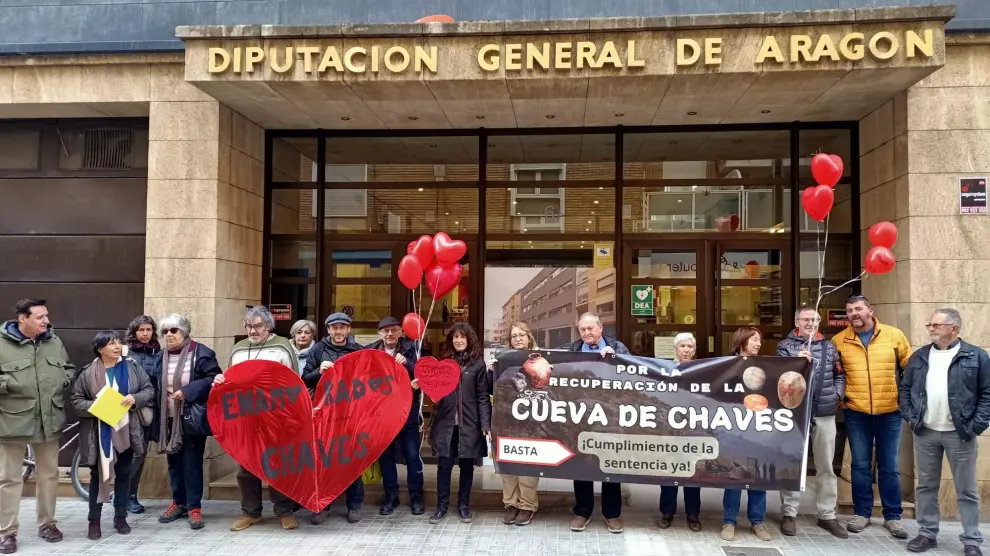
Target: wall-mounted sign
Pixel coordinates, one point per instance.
(972, 196)
(348, 310)
(837, 317)
(603, 255)
(642, 301)
(281, 311)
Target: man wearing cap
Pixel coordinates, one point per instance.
(407, 442)
(336, 344)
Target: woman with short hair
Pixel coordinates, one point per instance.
(746, 341)
(461, 421)
(184, 375)
(143, 347)
(108, 451)
(303, 338)
(685, 348)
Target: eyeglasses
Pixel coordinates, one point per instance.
(171, 331)
(812, 319)
(936, 324)
(255, 327)
(521, 336)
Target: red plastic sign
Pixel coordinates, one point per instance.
(263, 417)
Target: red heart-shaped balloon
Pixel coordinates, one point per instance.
(879, 260)
(263, 417)
(422, 249)
(817, 201)
(440, 281)
(410, 272)
(435, 378)
(448, 251)
(826, 169)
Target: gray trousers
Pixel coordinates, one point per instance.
(929, 446)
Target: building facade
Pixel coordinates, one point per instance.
(222, 154)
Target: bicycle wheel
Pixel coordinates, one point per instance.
(28, 468)
(81, 489)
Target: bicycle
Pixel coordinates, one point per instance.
(29, 462)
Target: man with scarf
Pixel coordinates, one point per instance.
(109, 450)
(335, 345)
(408, 440)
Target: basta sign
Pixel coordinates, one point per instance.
(609, 53)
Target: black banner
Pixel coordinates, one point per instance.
(721, 422)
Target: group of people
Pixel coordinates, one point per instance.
(868, 371)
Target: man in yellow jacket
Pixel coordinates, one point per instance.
(873, 356)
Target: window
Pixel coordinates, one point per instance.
(345, 203)
(606, 283)
(606, 308)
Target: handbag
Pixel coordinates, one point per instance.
(372, 475)
(194, 420)
(145, 416)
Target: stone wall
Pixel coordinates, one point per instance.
(913, 151)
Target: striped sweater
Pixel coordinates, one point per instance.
(275, 348)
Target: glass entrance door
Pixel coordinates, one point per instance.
(708, 288)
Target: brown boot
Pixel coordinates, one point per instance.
(94, 532)
(120, 524)
(8, 544)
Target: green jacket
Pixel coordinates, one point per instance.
(33, 378)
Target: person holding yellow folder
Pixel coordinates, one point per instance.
(106, 395)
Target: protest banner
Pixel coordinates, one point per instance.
(722, 422)
(310, 449)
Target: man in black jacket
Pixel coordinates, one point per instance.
(408, 439)
(335, 345)
(945, 396)
(593, 341)
(829, 387)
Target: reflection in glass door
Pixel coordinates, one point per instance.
(359, 284)
(676, 279)
(752, 291)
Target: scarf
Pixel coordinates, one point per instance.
(171, 437)
(112, 441)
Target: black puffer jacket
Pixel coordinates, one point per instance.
(829, 380)
(407, 348)
(325, 350)
(472, 407)
(145, 355)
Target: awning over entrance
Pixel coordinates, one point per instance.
(824, 65)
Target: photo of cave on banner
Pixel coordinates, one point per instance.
(719, 422)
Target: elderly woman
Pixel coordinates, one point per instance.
(106, 450)
(518, 493)
(143, 348)
(303, 337)
(183, 376)
(685, 347)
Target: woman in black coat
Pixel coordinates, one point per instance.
(183, 376)
(143, 349)
(461, 421)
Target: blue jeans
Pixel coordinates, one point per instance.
(756, 506)
(884, 431)
(408, 443)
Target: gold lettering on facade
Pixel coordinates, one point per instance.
(797, 49)
(914, 43)
(770, 49)
(685, 59)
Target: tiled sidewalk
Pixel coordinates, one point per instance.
(405, 535)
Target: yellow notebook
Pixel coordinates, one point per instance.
(107, 407)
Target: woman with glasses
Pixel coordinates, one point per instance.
(461, 422)
(685, 348)
(183, 375)
(518, 493)
(747, 342)
(108, 451)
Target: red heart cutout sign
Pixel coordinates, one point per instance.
(437, 379)
(263, 417)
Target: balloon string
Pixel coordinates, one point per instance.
(832, 289)
(434, 303)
